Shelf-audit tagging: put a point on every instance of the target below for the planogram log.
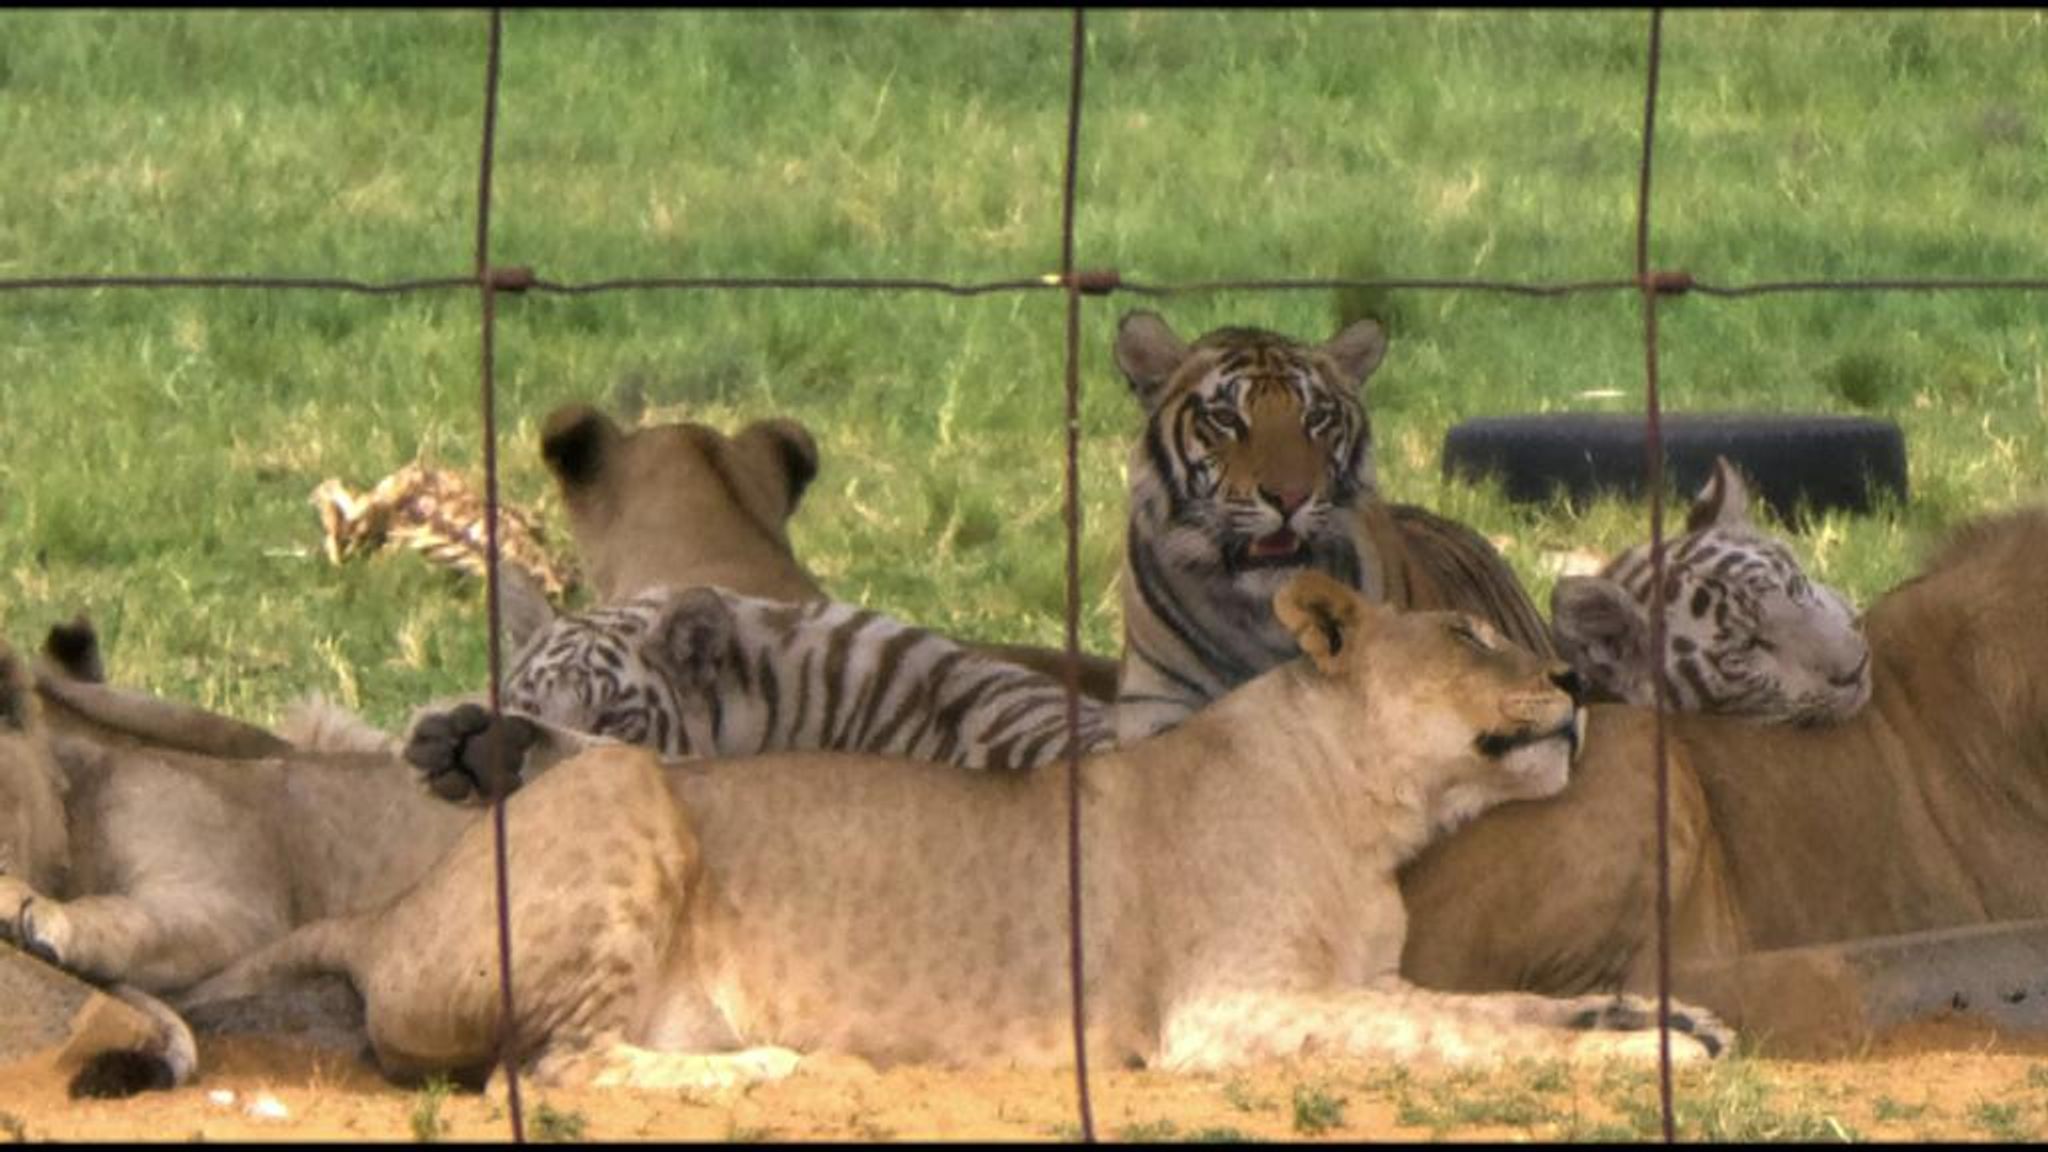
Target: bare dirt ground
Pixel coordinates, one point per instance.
(1979, 1087)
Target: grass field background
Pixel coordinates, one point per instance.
(157, 448)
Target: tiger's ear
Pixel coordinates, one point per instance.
(1325, 616)
(692, 637)
(1723, 501)
(1357, 351)
(1603, 634)
(1147, 352)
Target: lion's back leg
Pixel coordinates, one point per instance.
(601, 858)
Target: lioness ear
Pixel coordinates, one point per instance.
(691, 640)
(575, 441)
(1723, 501)
(1325, 616)
(1357, 351)
(1603, 634)
(1147, 352)
(794, 450)
(16, 697)
(75, 648)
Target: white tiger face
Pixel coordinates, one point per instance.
(632, 671)
(1748, 633)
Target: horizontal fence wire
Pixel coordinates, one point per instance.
(516, 280)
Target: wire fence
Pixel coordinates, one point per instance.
(489, 280)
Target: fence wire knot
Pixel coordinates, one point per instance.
(510, 278)
(1674, 282)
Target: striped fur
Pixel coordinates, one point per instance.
(1255, 464)
(1749, 633)
(707, 672)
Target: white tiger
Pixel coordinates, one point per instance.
(707, 672)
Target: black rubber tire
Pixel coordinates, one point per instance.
(1819, 462)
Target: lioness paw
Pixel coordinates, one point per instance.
(1695, 1031)
(33, 924)
(452, 751)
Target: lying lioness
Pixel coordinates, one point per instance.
(704, 922)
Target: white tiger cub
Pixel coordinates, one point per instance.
(1750, 634)
(707, 672)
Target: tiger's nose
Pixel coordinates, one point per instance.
(1285, 499)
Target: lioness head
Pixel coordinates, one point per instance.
(682, 503)
(1458, 718)
(1256, 448)
(33, 841)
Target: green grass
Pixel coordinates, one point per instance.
(1316, 1109)
(555, 1127)
(157, 448)
(2000, 1121)
(1735, 1100)
(428, 1126)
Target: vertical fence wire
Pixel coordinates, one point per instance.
(494, 742)
(1072, 284)
(1653, 480)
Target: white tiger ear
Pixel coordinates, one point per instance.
(1148, 352)
(1357, 351)
(692, 638)
(523, 609)
(1325, 616)
(1723, 501)
(1603, 634)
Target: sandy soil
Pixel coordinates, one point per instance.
(1979, 1087)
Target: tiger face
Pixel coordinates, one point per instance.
(1255, 457)
(1750, 634)
(1256, 447)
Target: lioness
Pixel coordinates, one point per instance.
(699, 922)
(1927, 809)
(111, 1052)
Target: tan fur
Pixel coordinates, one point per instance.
(1427, 562)
(37, 854)
(682, 503)
(1928, 809)
(707, 922)
(686, 505)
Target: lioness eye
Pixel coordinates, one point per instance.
(1469, 635)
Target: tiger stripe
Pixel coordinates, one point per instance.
(820, 675)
